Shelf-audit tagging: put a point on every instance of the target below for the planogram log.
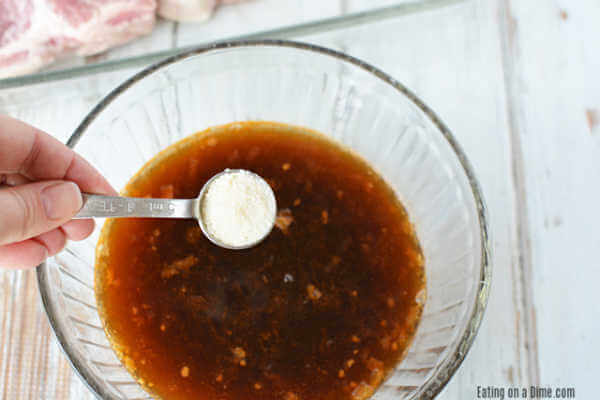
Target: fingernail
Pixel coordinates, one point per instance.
(61, 200)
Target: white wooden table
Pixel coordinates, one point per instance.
(518, 82)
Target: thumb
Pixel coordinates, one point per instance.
(29, 210)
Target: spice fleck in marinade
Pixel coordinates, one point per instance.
(322, 309)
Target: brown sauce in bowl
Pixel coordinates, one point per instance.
(323, 308)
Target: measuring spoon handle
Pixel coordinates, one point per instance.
(99, 206)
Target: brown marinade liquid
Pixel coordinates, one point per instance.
(324, 308)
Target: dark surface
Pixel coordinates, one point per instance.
(333, 292)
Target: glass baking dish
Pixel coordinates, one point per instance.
(258, 19)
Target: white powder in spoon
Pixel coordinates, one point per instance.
(238, 208)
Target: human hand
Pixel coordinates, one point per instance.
(40, 191)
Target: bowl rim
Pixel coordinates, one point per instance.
(447, 368)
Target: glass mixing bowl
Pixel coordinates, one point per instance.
(340, 96)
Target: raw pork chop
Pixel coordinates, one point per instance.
(189, 10)
(34, 33)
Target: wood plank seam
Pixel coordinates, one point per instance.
(174, 34)
(344, 7)
(523, 287)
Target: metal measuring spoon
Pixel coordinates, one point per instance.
(99, 206)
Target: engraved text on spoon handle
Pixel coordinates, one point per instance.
(118, 207)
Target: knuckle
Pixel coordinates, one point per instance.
(34, 152)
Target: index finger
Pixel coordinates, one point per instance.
(38, 156)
